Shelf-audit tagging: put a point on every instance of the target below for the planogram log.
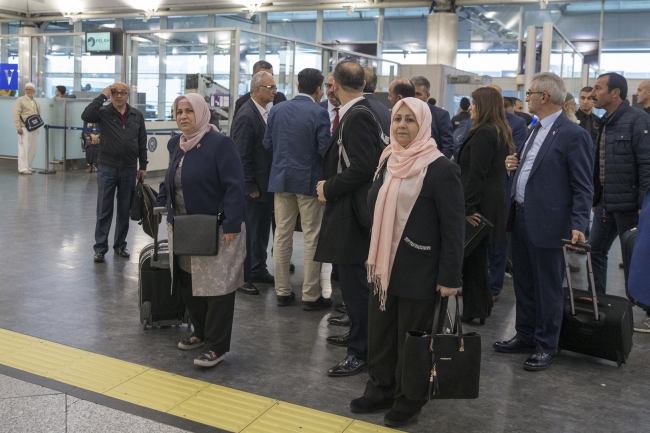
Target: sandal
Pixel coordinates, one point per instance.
(190, 343)
(209, 359)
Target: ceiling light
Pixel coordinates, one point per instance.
(148, 13)
(543, 4)
(350, 9)
(140, 39)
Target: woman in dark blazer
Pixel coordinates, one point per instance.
(483, 175)
(205, 176)
(416, 252)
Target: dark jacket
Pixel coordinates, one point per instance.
(627, 160)
(441, 130)
(120, 145)
(517, 126)
(212, 173)
(483, 173)
(436, 222)
(342, 239)
(590, 123)
(279, 97)
(455, 121)
(298, 133)
(382, 112)
(247, 132)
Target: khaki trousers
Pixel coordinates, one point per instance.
(287, 207)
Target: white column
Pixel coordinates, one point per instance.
(380, 32)
(442, 38)
(25, 58)
(133, 76)
(319, 27)
(119, 24)
(547, 45)
(531, 50)
(77, 57)
(209, 69)
(263, 29)
(4, 43)
(162, 70)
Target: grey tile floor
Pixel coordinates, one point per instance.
(50, 288)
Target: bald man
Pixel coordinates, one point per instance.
(122, 146)
(643, 95)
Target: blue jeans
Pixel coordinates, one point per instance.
(110, 179)
(604, 230)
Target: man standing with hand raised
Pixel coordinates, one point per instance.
(122, 146)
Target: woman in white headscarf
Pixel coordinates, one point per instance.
(416, 252)
(205, 176)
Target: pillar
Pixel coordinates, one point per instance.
(319, 27)
(442, 38)
(263, 29)
(209, 51)
(162, 71)
(76, 78)
(380, 32)
(531, 60)
(119, 60)
(25, 58)
(4, 43)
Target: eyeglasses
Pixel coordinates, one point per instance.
(528, 93)
(270, 87)
(113, 92)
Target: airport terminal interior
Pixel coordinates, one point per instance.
(74, 354)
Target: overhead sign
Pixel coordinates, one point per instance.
(8, 76)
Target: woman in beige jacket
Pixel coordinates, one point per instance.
(24, 107)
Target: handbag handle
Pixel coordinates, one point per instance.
(458, 327)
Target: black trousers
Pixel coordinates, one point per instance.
(212, 316)
(386, 335)
(259, 225)
(477, 296)
(355, 291)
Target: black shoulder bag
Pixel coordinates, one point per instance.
(33, 122)
(441, 366)
(194, 235)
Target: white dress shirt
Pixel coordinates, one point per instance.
(264, 111)
(347, 106)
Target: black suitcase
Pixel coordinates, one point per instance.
(595, 325)
(159, 306)
(627, 244)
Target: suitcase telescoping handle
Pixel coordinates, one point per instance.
(156, 211)
(590, 270)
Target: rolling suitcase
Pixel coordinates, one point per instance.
(628, 240)
(159, 305)
(595, 325)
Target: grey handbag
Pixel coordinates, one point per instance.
(196, 235)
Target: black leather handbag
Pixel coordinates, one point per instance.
(196, 235)
(475, 234)
(441, 366)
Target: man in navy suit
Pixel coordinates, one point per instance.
(332, 104)
(441, 122)
(382, 112)
(298, 132)
(551, 196)
(248, 129)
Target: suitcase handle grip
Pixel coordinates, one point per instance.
(159, 209)
(567, 242)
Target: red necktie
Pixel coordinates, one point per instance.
(335, 124)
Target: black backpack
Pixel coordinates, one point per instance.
(142, 204)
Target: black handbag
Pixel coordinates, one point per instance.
(475, 234)
(441, 366)
(196, 235)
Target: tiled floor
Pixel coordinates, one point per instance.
(51, 289)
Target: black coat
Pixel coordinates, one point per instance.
(248, 128)
(342, 239)
(437, 223)
(382, 112)
(590, 123)
(279, 97)
(120, 145)
(482, 166)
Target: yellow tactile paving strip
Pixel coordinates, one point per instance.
(199, 401)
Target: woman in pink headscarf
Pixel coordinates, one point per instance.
(416, 252)
(205, 176)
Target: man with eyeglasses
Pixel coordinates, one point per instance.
(551, 198)
(265, 66)
(122, 147)
(248, 128)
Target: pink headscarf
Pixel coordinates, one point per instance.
(203, 125)
(405, 173)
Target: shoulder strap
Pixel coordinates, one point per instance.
(342, 153)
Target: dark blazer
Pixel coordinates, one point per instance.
(212, 173)
(517, 126)
(559, 190)
(279, 97)
(382, 112)
(590, 123)
(324, 104)
(483, 174)
(437, 223)
(441, 130)
(247, 132)
(342, 239)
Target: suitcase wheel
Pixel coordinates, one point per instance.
(620, 359)
(144, 324)
(146, 313)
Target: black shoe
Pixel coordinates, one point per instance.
(292, 267)
(283, 301)
(339, 340)
(574, 268)
(341, 308)
(621, 266)
(469, 320)
(263, 278)
(339, 321)
(350, 366)
(123, 252)
(396, 418)
(365, 405)
(319, 304)
(248, 289)
(99, 257)
(495, 298)
(334, 276)
(539, 361)
(514, 345)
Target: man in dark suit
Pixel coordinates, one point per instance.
(441, 122)
(248, 130)
(265, 66)
(552, 193)
(383, 113)
(332, 104)
(344, 239)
